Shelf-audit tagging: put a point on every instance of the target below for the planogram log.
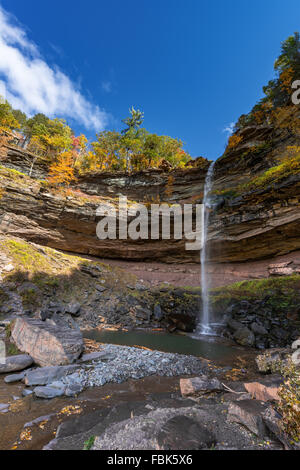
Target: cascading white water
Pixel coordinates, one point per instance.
(204, 325)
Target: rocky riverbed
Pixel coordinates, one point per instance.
(113, 364)
(223, 406)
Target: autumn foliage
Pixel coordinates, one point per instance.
(3, 143)
(62, 171)
(233, 141)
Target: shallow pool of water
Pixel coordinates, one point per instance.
(208, 348)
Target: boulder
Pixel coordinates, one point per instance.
(73, 390)
(234, 325)
(249, 414)
(14, 378)
(273, 422)
(16, 363)
(244, 337)
(48, 375)
(258, 329)
(266, 388)
(199, 386)
(273, 359)
(158, 314)
(49, 392)
(48, 344)
(97, 356)
(4, 408)
(182, 433)
(101, 288)
(281, 269)
(73, 309)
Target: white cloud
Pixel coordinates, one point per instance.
(31, 85)
(229, 129)
(106, 86)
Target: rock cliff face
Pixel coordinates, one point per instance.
(246, 223)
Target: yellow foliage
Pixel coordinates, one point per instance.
(36, 146)
(286, 78)
(287, 118)
(233, 141)
(290, 166)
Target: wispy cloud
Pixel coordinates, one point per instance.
(106, 86)
(229, 129)
(31, 85)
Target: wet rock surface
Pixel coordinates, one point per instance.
(16, 363)
(158, 429)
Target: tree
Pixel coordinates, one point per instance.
(134, 121)
(152, 148)
(130, 142)
(20, 117)
(7, 120)
(62, 171)
(290, 55)
(54, 136)
(278, 91)
(107, 150)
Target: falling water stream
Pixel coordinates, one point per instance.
(204, 327)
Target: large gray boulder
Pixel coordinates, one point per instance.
(49, 391)
(244, 336)
(181, 433)
(199, 386)
(249, 414)
(47, 375)
(16, 363)
(47, 344)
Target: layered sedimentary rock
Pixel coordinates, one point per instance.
(47, 343)
(245, 224)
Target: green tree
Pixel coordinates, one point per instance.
(278, 91)
(134, 121)
(130, 142)
(20, 117)
(153, 148)
(7, 119)
(107, 150)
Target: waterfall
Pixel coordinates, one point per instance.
(204, 326)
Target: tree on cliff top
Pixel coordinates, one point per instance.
(279, 90)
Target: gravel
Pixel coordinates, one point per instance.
(133, 363)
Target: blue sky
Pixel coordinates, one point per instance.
(192, 66)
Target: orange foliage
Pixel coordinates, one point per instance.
(234, 141)
(287, 118)
(286, 78)
(3, 143)
(62, 171)
(169, 187)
